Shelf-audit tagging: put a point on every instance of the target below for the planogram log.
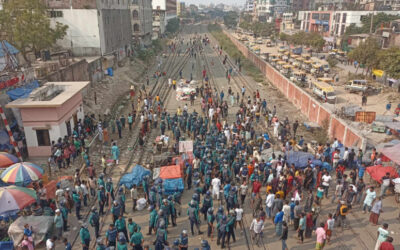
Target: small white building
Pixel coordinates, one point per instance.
(49, 113)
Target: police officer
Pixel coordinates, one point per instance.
(210, 221)
(64, 213)
(222, 231)
(152, 220)
(230, 225)
(172, 210)
(111, 236)
(205, 245)
(77, 200)
(85, 236)
(207, 203)
(121, 198)
(116, 210)
(184, 240)
(120, 224)
(101, 198)
(94, 220)
(161, 237)
(193, 214)
(109, 190)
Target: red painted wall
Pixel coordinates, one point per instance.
(309, 106)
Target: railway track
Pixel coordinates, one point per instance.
(172, 66)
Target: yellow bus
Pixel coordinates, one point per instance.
(324, 91)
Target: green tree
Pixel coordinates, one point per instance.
(26, 25)
(389, 61)
(230, 19)
(263, 29)
(367, 54)
(172, 25)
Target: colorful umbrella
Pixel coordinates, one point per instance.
(22, 173)
(7, 159)
(13, 198)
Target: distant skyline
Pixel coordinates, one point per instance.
(207, 2)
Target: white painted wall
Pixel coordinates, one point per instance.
(159, 3)
(30, 135)
(83, 28)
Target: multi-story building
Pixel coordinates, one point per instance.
(180, 8)
(158, 23)
(249, 6)
(95, 27)
(379, 4)
(169, 6)
(142, 21)
(334, 23)
(268, 9)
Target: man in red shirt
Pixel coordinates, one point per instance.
(256, 188)
(387, 245)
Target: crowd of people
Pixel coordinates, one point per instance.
(227, 171)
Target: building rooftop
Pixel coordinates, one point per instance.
(51, 94)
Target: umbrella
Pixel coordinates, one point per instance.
(7, 159)
(22, 173)
(13, 198)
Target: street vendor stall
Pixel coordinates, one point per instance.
(41, 226)
(391, 153)
(184, 89)
(378, 171)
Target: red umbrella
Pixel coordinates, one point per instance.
(7, 159)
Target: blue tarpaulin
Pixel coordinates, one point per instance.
(8, 47)
(135, 177)
(298, 158)
(23, 92)
(170, 185)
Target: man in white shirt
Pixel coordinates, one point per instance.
(239, 216)
(346, 156)
(50, 243)
(268, 202)
(134, 196)
(257, 226)
(286, 212)
(243, 192)
(326, 178)
(336, 158)
(216, 183)
(211, 113)
(196, 163)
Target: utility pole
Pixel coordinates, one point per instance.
(372, 21)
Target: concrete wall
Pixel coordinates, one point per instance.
(74, 72)
(308, 105)
(115, 31)
(83, 36)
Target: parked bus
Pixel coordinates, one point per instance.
(324, 91)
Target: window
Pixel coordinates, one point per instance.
(43, 137)
(136, 27)
(54, 14)
(363, 18)
(315, 16)
(344, 17)
(325, 17)
(135, 14)
(135, 2)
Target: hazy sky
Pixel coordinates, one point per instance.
(237, 2)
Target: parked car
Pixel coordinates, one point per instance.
(357, 86)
